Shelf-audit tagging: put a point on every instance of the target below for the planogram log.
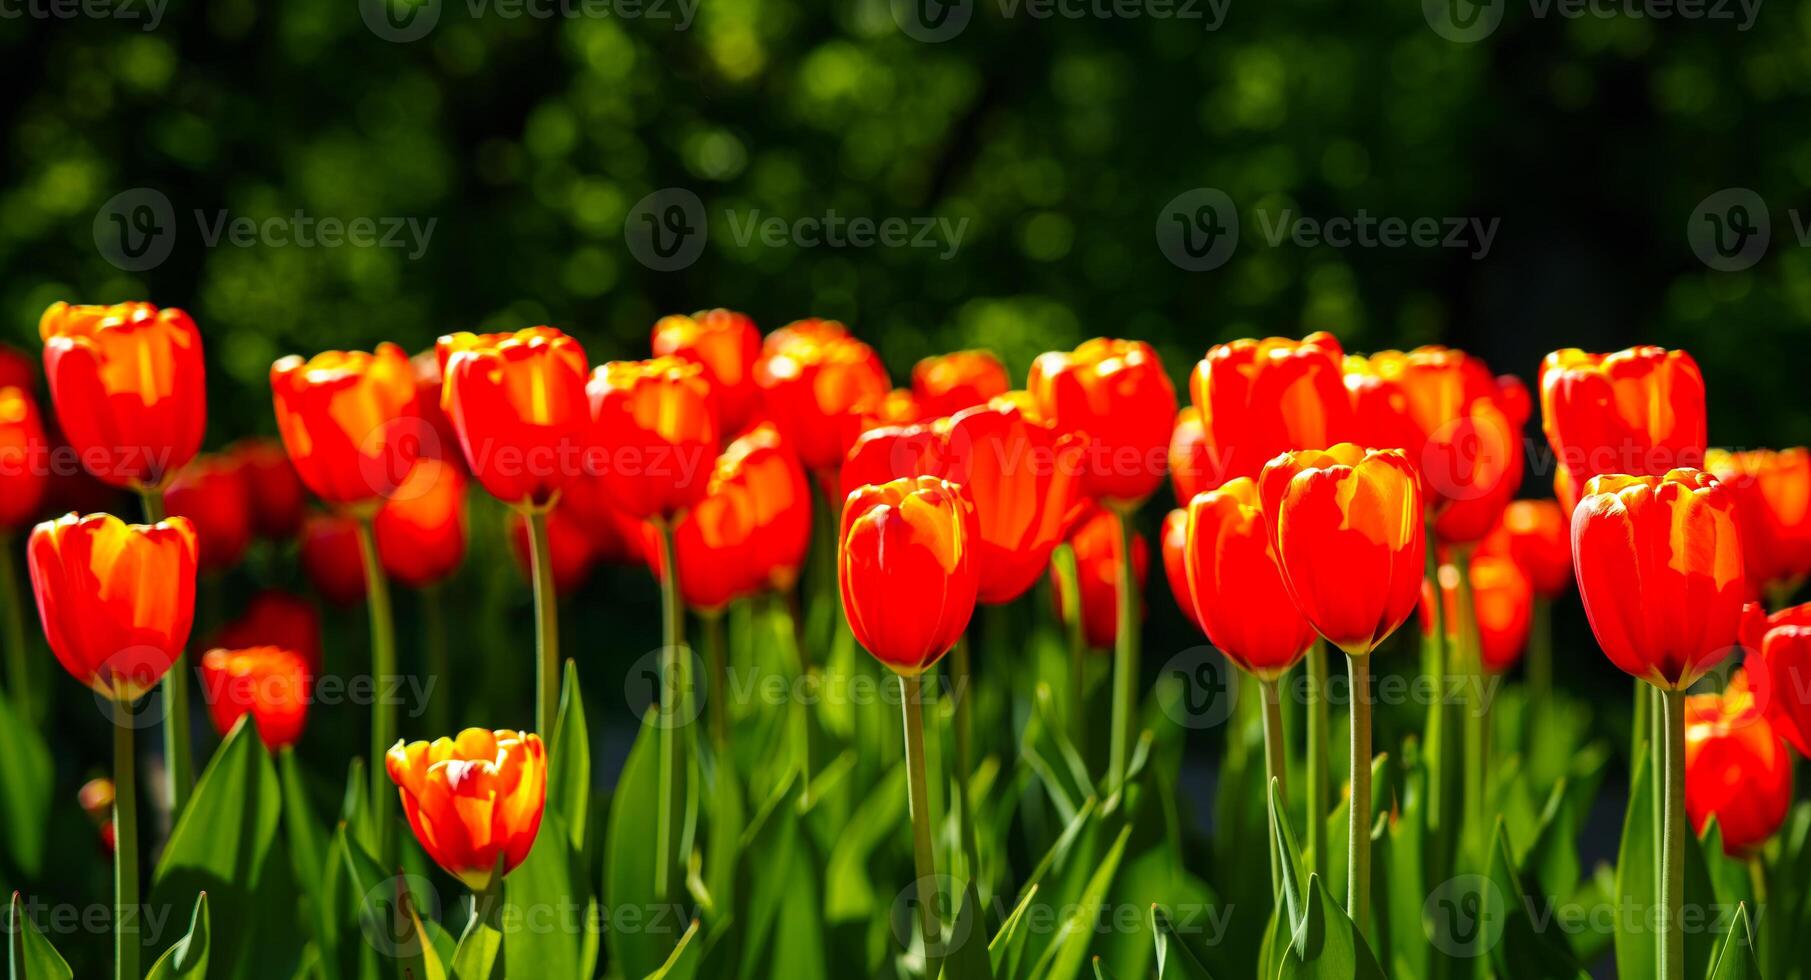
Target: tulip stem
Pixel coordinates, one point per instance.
(1068, 588)
(125, 846)
(1540, 658)
(1358, 826)
(1276, 768)
(547, 625)
(1672, 861)
(671, 691)
(179, 760)
(433, 614)
(923, 857)
(1437, 708)
(1317, 755)
(383, 710)
(960, 686)
(19, 687)
(1471, 654)
(717, 698)
(1125, 658)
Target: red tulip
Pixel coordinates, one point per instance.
(129, 388)
(1773, 503)
(1780, 665)
(569, 549)
(439, 439)
(1638, 411)
(332, 559)
(900, 407)
(1536, 535)
(269, 683)
(1517, 403)
(948, 383)
(350, 422)
(1258, 398)
(820, 395)
(212, 493)
(24, 459)
(654, 434)
(1174, 546)
(906, 570)
(615, 537)
(726, 345)
(1659, 562)
(1194, 461)
(1502, 605)
(17, 370)
(421, 529)
(1735, 768)
(713, 545)
(517, 402)
(1346, 527)
(116, 599)
(760, 462)
(475, 801)
(277, 619)
(278, 502)
(1096, 545)
(1235, 585)
(1116, 395)
(810, 330)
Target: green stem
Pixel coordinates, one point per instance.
(547, 624)
(1540, 658)
(1358, 827)
(923, 858)
(1470, 652)
(1125, 658)
(18, 663)
(717, 698)
(433, 614)
(1317, 756)
(1067, 585)
(1437, 707)
(1672, 878)
(961, 687)
(1276, 769)
(787, 607)
(383, 711)
(482, 942)
(672, 636)
(125, 847)
(179, 760)
(1657, 748)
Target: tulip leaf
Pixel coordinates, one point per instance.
(308, 853)
(1637, 941)
(1003, 949)
(629, 861)
(1517, 946)
(219, 846)
(30, 955)
(1101, 972)
(189, 957)
(1735, 959)
(965, 956)
(554, 901)
(482, 945)
(387, 913)
(849, 888)
(25, 790)
(1069, 948)
(1174, 961)
(569, 764)
(686, 958)
(1326, 944)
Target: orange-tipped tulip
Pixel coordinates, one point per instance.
(1115, 394)
(24, 459)
(906, 569)
(811, 330)
(350, 421)
(1773, 501)
(726, 345)
(332, 558)
(820, 394)
(713, 545)
(517, 402)
(268, 683)
(1537, 535)
(1638, 411)
(948, 383)
(780, 497)
(474, 801)
(1096, 545)
(212, 493)
(1502, 604)
(1236, 586)
(276, 619)
(421, 529)
(654, 434)
(1736, 768)
(1659, 562)
(1259, 398)
(278, 501)
(1346, 525)
(1779, 665)
(117, 600)
(129, 388)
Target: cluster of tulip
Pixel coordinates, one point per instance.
(1323, 497)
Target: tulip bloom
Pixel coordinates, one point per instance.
(17, 370)
(517, 402)
(268, 683)
(1736, 768)
(1258, 398)
(780, 501)
(948, 383)
(24, 459)
(278, 502)
(900, 407)
(421, 529)
(474, 801)
(350, 422)
(276, 619)
(1773, 502)
(1779, 665)
(1116, 395)
(117, 600)
(1659, 563)
(1347, 530)
(1096, 545)
(821, 394)
(1502, 608)
(129, 387)
(654, 430)
(906, 570)
(712, 547)
(570, 551)
(1638, 411)
(614, 537)
(211, 492)
(726, 345)
(1537, 536)
(438, 438)
(331, 558)
(1174, 545)
(1194, 461)
(1235, 585)
(810, 330)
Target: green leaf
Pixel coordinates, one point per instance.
(1174, 961)
(307, 850)
(189, 957)
(1735, 960)
(544, 892)
(482, 945)
(1101, 972)
(25, 790)
(30, 955)
(1003, 950)
(1517, 947)
(1069, 949)
(686, 958)
(966, 958)
(849, 893)
(569, 766)
(629, 859)
(1326, 945)
(387, 916)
